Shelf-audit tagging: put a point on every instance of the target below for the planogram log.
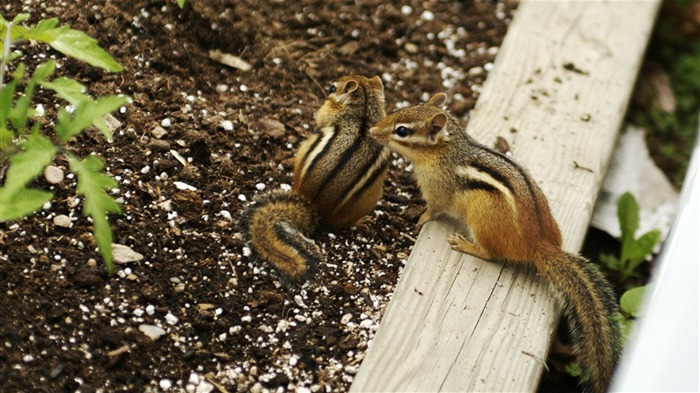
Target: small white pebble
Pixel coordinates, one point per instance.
(246, 318)
(145, 170)
(204, 387)
(244, 88)
(170, 318)
(62, 220)
(247, 252)
(225, 214)
(166, 122)
(165, 384)
(221, 88)
(366, 323)
(345, 319)
(427, 15)
(406, 10)
(242, 198)
(53, 174)
(150, 309)
(260, 186)
(227, 125)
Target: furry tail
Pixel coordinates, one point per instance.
(592, 314)
(278, 227)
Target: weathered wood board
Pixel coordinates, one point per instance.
(558, 93)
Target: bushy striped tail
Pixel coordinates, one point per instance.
(277, 228)
(592, 313)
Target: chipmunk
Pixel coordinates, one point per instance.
(338, 179)
(509, 220)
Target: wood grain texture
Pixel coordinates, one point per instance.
(558, 93)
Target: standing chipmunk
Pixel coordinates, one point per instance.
(338, 179)
(509, 220)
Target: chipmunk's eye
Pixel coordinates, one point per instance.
(403, 131)
(331, 89)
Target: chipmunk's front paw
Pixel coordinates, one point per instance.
(460, 243)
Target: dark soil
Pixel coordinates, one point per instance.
(66, 325)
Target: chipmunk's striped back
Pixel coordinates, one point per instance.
(338, 178)
(341, 169)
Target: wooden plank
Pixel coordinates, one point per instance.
(557, 93)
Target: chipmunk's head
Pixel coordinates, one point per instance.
(415, 130)
(354, 97)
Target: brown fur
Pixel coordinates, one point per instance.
(509, 219)
(337, 180)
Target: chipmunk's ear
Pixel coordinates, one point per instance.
(376, 83)
(438, 128)
(438, 100)
(349, 87)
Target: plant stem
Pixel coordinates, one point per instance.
(5, 54)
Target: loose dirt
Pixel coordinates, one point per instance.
(198, 142)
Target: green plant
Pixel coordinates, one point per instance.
(180, 3)
(633, 251)
(630, 305)
(27, 149)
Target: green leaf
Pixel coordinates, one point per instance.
(92, 184)
(37, 152)
(180, 3)
(6, 137)
(15, 199)
(18, 75)
(648, 241)
(21, 202)
(631, 301)
(628, 215)
(68, 89)
(20, 18)
(610, 261)
(6, 94)
(103, 106)
(627, 327)
(43, 71)
(79, 45)
(573, 369)
(86, 113)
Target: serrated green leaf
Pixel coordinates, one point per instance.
(18, 74)
(106, 105)
(92, 184)
(37, 152)
(6, 137)
(45, 25)
(20, 18)
(631, 301)
(6, 94)
(79, 45)
(43, 71)
(86, 113)
(68, 89)
(628, 215)
(14, 55)
(19, 203)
